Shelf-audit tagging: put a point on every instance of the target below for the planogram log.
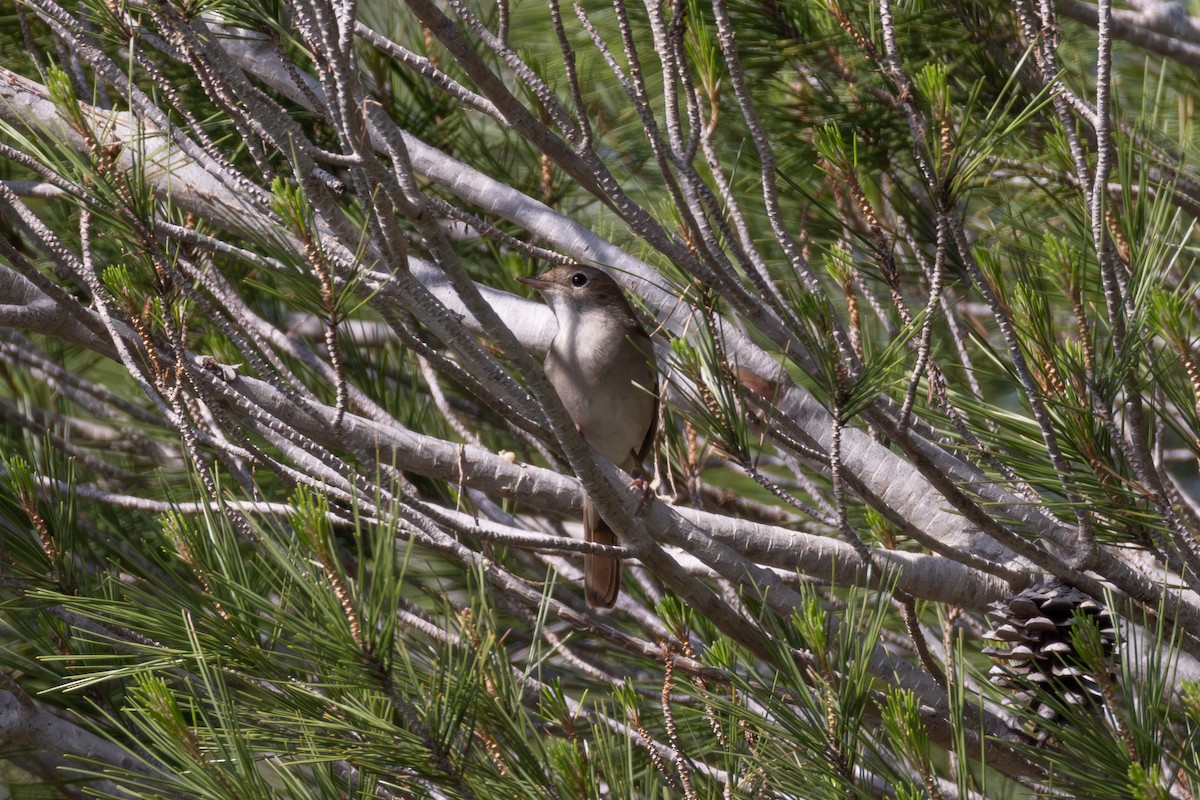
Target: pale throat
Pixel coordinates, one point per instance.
(591, 338)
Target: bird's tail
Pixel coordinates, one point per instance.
(601, 574)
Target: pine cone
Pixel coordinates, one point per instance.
(1038, 660)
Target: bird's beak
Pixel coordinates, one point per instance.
(537, 283)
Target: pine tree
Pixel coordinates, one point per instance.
(289, 509)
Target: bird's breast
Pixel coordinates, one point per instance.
(603, 375)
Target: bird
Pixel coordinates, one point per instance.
(601, 364)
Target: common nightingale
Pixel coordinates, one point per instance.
(601, 363)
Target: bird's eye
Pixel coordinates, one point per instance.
(579, 279)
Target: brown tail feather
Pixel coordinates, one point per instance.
(601, 574)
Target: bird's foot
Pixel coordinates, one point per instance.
(647, 489)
